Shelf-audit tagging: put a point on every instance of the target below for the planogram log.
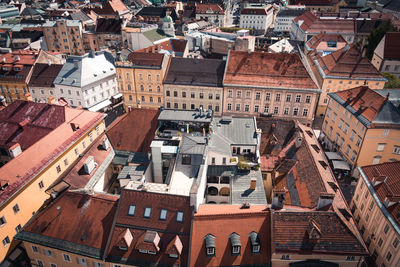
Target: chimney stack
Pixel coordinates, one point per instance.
(278, 198)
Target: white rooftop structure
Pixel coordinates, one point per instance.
(282, 46)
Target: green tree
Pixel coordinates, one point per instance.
(393, 81)
(376, 36)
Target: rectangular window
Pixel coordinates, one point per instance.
(396, 150)
(82, 261)
(386, 132)
(147, 212)
(201, 95)
(217, 96)
(353, 134)
(305, 112)
(358, 141)
(230, 93)
(381, 147)
(41, 185)
(40, 263)
(67, 257)
(239, 94)
(298, 98)
(179, 216)
(237, 107)
(256, 108)
(131, 211)
(6, 241)
(210, 251)
(288, 98)
(341, 122)
(388, 256)
(258, 95)
(268, 96)
(246, 108)
(35, 249)
(163, 214)
(308, 99)
(276, 110)
(175, 94)
(386, 229)
(98, 264)
(49, 253)
(16, 208)
(286, 111)
(192, 95)
(395, 242)
(65, 162)
(278, 97)
(58, 168)
(346, 128)
(334, 117)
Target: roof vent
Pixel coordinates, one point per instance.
(245, 205)
(15, 150)
(74, 126)
(89, 165)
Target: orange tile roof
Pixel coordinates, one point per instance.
(365, 100)
(167, 229)
(26, 58)
(223, 220)
(146, 59)
(312, 23)
(75, 176)
(385, 181)
(267, 70)
(22, 169)
(76, 217)
(347, 63)
(209, 9)
(134, 131)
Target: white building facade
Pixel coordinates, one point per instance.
(258, 17)
(88, 81)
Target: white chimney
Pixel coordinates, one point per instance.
(105, 144)
(89, 165)
(15, 150)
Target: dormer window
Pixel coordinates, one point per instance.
(255, 242)
(210, 245)
(147, 212)
(235, 243)
(131, 211)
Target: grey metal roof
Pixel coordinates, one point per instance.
(132, 172)
(80, 71)
(293, 192)
(394, 95)
(123, 157)
(221, 170)
(193, 71)
(79, 15)
(210, 241)
(60, 244)
(183, 115)
(240, 131)
(235, 239)
(241, 191)
(193, 145)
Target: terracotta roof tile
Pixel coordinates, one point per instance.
(146, 59)
(385, 180)
(290, 234)
(267, 70)
(76, 217)
(167, 230)
(43, 75)
(20, 170)
(8, 61)
(392, 45)
(134, 131)
(223, 220)
(209, 9)
(348, 63)
(366, 101)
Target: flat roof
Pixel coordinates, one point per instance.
(183, 115)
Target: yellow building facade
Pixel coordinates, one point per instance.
(38, 167)
(357, 125)
(140, 80)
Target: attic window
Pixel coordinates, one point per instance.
(323, 164)
(255, 242)
(316, 148)
(147, 212)
(309, 133)
(131, 211)
(235, 243)
(210, 245)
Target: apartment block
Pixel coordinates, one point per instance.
(274, 84)
(41, 84)
(375, 207)
(35, 152)
(64, 36)
(88, 81)
(140, 79)
(194, 84)
(16, 70)
(363, 125)
(258, 17)
(212, 13)
(342, 69)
